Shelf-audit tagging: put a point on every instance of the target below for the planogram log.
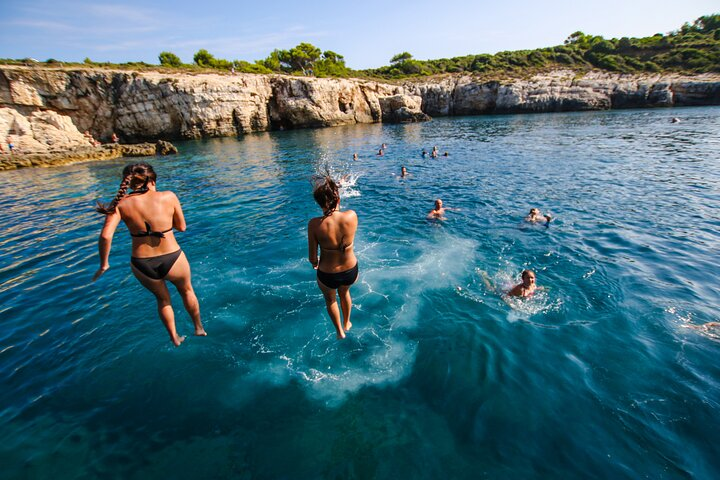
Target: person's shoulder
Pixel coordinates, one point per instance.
(314, 222)
(515, 291)
(350, 215)
(168, 195)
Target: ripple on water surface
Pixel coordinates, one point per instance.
(609, 371)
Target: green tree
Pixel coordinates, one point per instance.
(331, 65)
(303, 57)
(169, 59)
(203, 58)
(400, 58)
(272, 62)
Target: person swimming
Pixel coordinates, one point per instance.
(156, 256)
(337, 267)
(526, 288)
(355, 156)
(403, 171)
(380, 153)
(536, 217)
(438, 213)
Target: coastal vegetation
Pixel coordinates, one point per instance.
(695, 47)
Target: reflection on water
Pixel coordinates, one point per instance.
(609, 371)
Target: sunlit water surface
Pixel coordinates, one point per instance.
(601, 375)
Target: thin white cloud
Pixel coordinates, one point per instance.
(42, 24)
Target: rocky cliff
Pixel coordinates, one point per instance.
(564, 91)
(148, 106)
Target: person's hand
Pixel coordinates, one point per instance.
(100, 271)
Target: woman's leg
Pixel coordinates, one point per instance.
(179, 275)
(162, 295)
(346, 304)
(332, 308)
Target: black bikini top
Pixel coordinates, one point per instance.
(149, 233)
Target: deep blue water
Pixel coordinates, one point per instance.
(599, 376)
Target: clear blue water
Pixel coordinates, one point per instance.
(599, 376)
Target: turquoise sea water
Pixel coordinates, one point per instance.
(599, 376)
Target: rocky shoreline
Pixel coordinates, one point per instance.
(44, 110)
(84, 153)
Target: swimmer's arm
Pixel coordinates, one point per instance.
(178, 217)
(488, 283)
(112, 220)
(312, 245)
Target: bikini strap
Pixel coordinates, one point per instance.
(149, 233)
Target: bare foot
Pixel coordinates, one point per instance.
(178, 340)
(347, 326)
(341, 336)
(200, 332)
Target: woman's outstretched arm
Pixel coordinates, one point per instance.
(112, 220)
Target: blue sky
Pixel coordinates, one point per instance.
(367, 33)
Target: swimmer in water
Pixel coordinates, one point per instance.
(536, 217)
(355, 156)
(438, 213)
(403, 171)
(384, 146)
(706, 326)
(337, 268)
(380, 153)
(424, 153)
(526, 288)
(446, 154)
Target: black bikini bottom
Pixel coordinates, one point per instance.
(334, 280)
(156, 267)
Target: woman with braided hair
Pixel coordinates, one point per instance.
(337, 267)
(156, 256)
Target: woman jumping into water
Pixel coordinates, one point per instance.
(156, 256)
(337, 268)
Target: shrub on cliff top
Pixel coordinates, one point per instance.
(169, 59)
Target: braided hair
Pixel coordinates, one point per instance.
(135, 176)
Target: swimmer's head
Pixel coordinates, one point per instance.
(136, 176)
(528, 277)
(403, 170)
(438, 204)
(326, 194)
(534, 211)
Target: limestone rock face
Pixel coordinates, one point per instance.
(39, 131)
(39, 105)
(563, 91)
(402, 109)
(324, 102)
